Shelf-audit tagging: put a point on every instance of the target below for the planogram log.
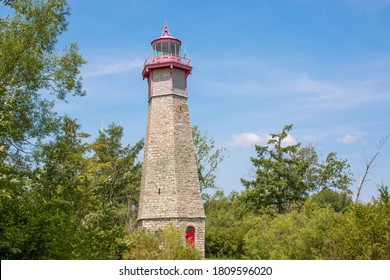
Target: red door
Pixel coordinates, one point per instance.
(190, 236)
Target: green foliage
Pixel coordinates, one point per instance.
(115, 174)
(384, 194)
(315, 230)
(363, 233)
(288, 174)
(339, 201)
(224, 230)
(39, 200)
(31, 66)
(296, 235)
(68, 210)
(166, 245)
(279, 175)
(208, 158)
(333, 173)
(321, 233)
(100, 235)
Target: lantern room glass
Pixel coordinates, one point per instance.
(166, 48)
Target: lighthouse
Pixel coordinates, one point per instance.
(170, 191)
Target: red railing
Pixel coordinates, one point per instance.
(167, 58)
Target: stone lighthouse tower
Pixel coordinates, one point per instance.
(170, 192)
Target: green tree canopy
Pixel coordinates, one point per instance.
(39, 199)
(115, 173)
(32, 69)
(286, 174)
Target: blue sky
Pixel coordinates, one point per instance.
(323, 66)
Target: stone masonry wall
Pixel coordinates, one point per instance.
(170, 191)
(170, 184)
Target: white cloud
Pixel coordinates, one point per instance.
(352, 139)
(247, 139)
(289, 141)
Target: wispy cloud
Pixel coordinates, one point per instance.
(338, 94)
(352, 139)
(370, 5)
(348, 86)
(322, 90)
(112, 67)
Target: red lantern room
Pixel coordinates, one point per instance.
(166, 52)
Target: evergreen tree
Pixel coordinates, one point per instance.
(288, 174)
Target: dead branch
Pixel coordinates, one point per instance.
(368, 166)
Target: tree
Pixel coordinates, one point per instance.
(279, 174)
(339, 202)
(31, 68)
(76, 205)
(333, 174)
(362, 233)
(43, 213)
(384, 194)
(225, 228)
(288, 174)
(115, 173)
(33, 74)
(59, 192)
(208, 158)
(317, 232)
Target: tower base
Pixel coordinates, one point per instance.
(197, 224)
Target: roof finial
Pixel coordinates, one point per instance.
(165, 32)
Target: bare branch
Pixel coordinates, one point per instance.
(368, 166)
